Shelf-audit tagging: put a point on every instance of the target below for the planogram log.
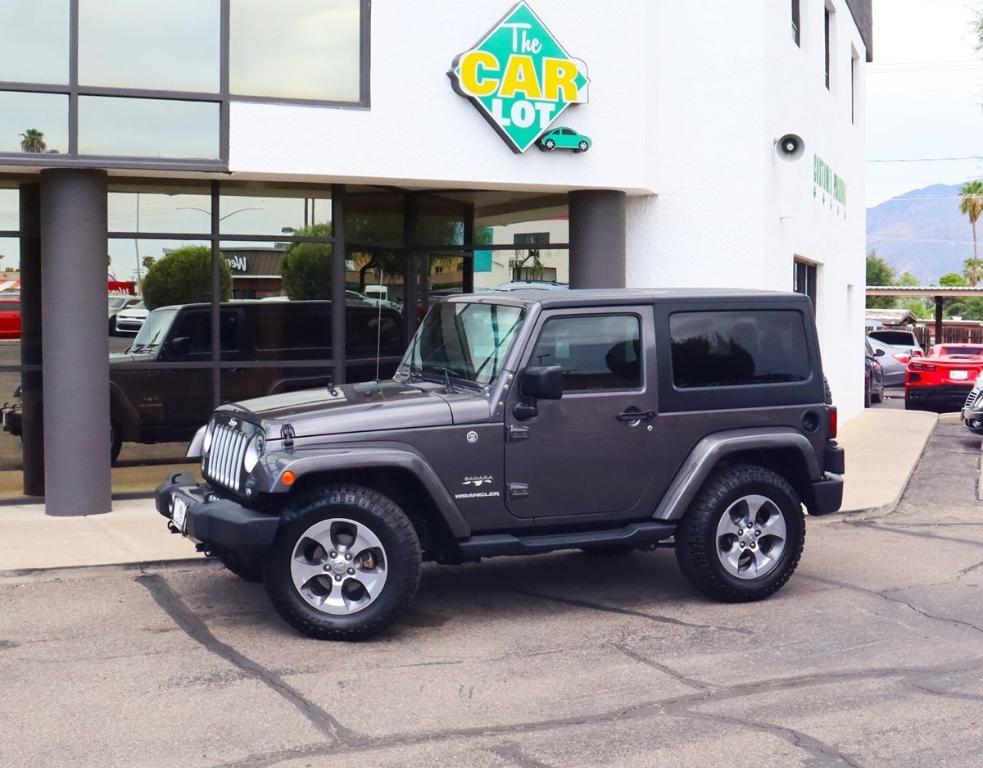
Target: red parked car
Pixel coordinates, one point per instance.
(9, 318)
(941, 380)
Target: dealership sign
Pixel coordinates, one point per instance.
(520, 78)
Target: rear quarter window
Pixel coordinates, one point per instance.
(738, 348)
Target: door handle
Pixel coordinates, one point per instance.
(635, 416)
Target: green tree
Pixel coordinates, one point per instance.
(307, 266)
(953, 280)
(917, 307)
(32, 140)
(971, 205)
(879, 272)
(908, 279)
(184, 276)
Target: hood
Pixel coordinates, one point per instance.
(349, 408)
(116, 358)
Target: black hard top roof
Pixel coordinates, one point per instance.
(608, 296)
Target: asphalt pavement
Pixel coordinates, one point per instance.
(871, 656)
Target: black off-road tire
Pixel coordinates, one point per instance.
(246, 566)
(398, 537)
(696, 537)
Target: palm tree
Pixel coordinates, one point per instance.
(972, 205)
(32, 140)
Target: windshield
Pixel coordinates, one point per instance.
(154, 329)
(117, 302)
(895, 338)
(468, 342)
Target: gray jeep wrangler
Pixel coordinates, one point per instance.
(524, 423)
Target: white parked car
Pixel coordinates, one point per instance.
(130, 321)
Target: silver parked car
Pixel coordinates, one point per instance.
(893, 361)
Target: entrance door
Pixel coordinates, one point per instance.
(584, 454)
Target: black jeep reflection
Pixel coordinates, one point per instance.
(282, 346)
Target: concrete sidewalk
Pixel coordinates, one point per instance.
(132, 533)
(882, 448)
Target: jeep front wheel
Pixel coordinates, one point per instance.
(743, 537)
(345, 563)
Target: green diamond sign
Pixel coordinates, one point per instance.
(520, 78)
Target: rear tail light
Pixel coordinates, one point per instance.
(902, 358)
(921, 366)
(833, 422)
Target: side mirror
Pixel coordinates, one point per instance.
(878, 353)
(543, 382)
(179, 347)
(538, 383)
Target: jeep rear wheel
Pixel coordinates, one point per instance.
(345, 564)
(743, 537)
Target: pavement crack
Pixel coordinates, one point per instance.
(513, 753)
(172, 604)
(886, 595)
(621, 611)
(920, 534)
(828, 754)
(691, 682)
(639, 711)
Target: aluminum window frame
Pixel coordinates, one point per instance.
(223, 98)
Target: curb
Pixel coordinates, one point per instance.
(870, 513)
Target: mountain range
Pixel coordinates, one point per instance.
(922, 232)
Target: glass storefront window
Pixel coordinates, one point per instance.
(9, 212)
(35, 123)
(11, 463)
(299, 49)
(150, 128)
(34, 41)
(160, 210)
(148, 44)
(283, 212)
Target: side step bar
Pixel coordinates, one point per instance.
(631, 535)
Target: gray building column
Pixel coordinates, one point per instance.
(76, 353)
(32, 436)
(597, 239)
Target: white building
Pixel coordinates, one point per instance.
(369, 116)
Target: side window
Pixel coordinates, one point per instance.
(196, 326)
(597, 352)
(726, 349)
(366, 328)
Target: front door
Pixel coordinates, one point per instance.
(587, 453)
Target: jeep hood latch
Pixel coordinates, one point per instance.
(288, 435)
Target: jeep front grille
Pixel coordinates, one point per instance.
(222, 464)
(973, 395)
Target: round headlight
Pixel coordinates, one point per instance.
(253, 451)
(209, 433)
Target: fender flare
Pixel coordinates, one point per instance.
(307, 461)
(712, 448)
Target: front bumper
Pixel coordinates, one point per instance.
(214, 522)
(946, 398)
(13, 419)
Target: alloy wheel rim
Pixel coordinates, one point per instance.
(751, 537)
(339, 566)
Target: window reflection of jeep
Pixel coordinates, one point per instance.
(522, 423)
(267, 348)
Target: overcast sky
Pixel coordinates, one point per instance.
(924, 96)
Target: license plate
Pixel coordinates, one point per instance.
(959, 375)
(180, 514)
